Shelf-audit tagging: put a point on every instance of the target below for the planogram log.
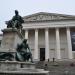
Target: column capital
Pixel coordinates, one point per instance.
(57, 28)
(46, 28)
(36, 29)
(26, 29)
(68, 28)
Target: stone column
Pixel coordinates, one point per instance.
(26, 34)
(46, 44)
(58, 56)
(36, 46)
(69, 44)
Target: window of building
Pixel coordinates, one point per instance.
(73, 40)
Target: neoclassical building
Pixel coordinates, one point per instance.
(50, 35)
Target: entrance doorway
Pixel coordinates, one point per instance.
(42, 54)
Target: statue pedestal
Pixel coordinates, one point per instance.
(11, 37)
(20, 68)
(15, 65)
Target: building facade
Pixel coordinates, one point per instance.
(49, 35)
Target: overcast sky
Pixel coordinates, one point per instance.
(26, 7)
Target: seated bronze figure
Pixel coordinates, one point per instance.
(15, 22)
(23, 52)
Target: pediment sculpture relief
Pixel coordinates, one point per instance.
(44, 17)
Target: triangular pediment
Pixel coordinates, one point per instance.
(42, 16)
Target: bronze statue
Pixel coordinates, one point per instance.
(15, 22)
(23, 52)
(6, 56)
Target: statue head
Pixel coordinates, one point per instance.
(25, 41)
(16, 12)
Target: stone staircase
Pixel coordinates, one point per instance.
(57, 66)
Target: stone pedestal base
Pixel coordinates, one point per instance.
(20, 68)
(14, 65)
(11, 37)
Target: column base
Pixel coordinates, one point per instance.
(47, 59)
(36, 60)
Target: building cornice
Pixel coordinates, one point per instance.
(61, 24)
